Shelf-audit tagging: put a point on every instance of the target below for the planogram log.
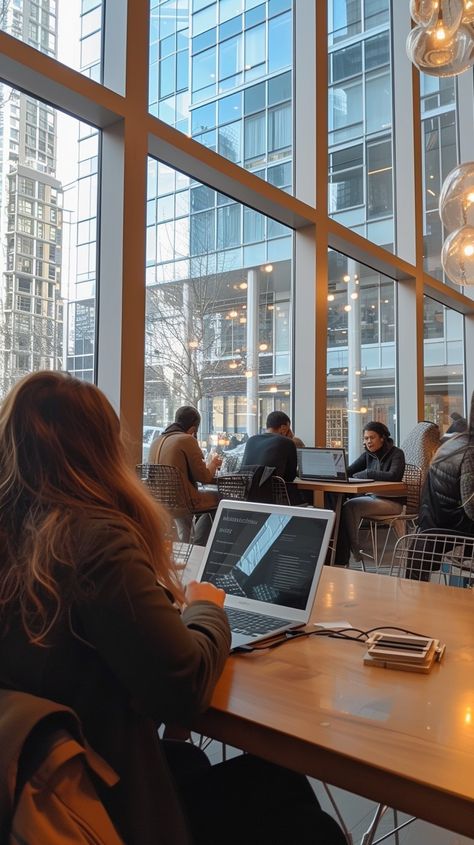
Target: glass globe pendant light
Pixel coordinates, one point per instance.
(456, 202)
(468, 16)
(457, 256)
(442, 43)
(444, 15)
(441, 58)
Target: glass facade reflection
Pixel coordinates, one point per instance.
(69, 31)
(444, 362)
(360, 119)
(48, 212)
(218, 313)
(361, 358)
(222, 73)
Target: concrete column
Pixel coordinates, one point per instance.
(353, 362)
(252, 352)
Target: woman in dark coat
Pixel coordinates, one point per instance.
(93, 616)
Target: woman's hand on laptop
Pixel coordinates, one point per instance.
(204, 591)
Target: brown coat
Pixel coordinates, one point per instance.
(181, 450)
(124, 660)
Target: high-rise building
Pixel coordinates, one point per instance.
(31, 335)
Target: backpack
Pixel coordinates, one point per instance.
(53, 799)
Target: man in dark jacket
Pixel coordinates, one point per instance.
(273, 448)
(381, 461)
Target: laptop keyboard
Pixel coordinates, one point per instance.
(244, 622)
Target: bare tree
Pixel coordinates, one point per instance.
(191, 338)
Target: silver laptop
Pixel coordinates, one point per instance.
(317, 464)
(268, 559)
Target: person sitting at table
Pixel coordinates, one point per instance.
(446, 503)
(273, 448)
(380, 461)
(93, 616)
(178, 447)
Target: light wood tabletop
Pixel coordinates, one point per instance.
(340, 490)
(377, 488)
(401, 738)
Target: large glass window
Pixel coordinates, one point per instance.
(70, 32)
(360, 119)
(199, 54)
(48, 215)
(440, 155)
(361, 368)
(218, 318)
(444, 363)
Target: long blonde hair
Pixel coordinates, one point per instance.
(61, 456)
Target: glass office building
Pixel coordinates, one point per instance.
(243, 218)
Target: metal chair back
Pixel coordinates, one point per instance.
(419, 556)
(234, 486)
(412, 477)
(279, 491)
(168, 487)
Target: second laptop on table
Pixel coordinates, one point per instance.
(319, 464)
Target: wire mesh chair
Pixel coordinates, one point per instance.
(450, 555)
(234, 486)
(279, 491)
(168, 487)
(413, 479)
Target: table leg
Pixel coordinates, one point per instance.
(335, 532)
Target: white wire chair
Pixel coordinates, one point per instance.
(279, 491)
(413, 479)
(448, 555)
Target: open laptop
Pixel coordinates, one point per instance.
(268, 559)
(317, 464)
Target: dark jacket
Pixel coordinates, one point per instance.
(447, 499)
(125, 661)
(388, 464)
(272, 450)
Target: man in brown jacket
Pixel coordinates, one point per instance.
(178, 447)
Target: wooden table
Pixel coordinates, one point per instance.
(341, 489)
(400, 738)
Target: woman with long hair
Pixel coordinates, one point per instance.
(93, 616)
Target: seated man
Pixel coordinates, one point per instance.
(179, 448)
(273, 448)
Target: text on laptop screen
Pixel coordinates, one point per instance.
(269, 557)
(322, 463)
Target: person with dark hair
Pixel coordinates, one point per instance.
(458, 425)
(381, 461)
(178, 447)
(93, 616)
(273, 448)
(447, 498)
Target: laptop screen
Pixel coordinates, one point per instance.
(270, 557)
(322, 463)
